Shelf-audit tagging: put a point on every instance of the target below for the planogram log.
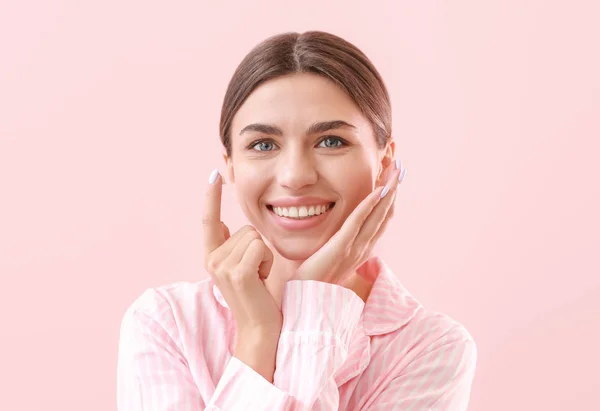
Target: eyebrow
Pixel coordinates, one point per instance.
(315, 128)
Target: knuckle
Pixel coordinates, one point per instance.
(254, 235)
(211, 265)
(239, 277)
(226, 271)
(248, 228)
(348, 251)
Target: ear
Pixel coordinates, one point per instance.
(388, 157)
(229, 165)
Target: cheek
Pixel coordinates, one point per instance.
(250, 185)
(356, 184)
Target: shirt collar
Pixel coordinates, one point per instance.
(389, 306)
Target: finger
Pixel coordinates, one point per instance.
(259, 257)
(211, 220)
(351, 227)
(382, 227)
(237, 252)
(224, 251)
(264, 269)
(379, 213)
(354, 224)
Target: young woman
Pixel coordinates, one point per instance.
(297, 313)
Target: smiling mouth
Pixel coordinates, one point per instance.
(301, 212)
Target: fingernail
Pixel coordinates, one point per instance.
(384, 192)
(401, 176)
(398, 164)
(213, 176)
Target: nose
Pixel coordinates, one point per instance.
(296, 169)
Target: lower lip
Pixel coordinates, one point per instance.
(298, 224)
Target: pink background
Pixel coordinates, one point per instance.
(109, 128)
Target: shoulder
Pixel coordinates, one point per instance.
(432, 336)
(441, 331)
(401, 323)
(180, 304)
(157, 299)
(428, 363)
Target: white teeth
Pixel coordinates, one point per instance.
(300, 212)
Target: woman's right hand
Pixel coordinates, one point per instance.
(238, 264)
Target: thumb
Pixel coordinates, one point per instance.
(267, 262)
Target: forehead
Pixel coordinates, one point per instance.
(295, 101)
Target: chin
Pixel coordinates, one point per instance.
(296, 249)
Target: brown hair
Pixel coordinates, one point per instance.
(311, 52)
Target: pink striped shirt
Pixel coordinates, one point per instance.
(335, 352)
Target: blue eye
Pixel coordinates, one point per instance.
(332, 142)
(263, 146)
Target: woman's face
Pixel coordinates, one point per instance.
(303, 157)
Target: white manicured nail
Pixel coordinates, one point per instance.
(384, 192)
(398, 164)
(401, 176)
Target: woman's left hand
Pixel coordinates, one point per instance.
(338, 260)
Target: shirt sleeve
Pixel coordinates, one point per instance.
(319, 319)
(439, 379)
(152, 374)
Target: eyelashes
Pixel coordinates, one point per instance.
(259, 143)
(270, 144)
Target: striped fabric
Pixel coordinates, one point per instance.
(335, 352)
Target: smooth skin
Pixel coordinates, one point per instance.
(240, 264)
(343, 165)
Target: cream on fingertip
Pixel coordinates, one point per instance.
(213, 176)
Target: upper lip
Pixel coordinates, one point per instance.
(299, 201)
